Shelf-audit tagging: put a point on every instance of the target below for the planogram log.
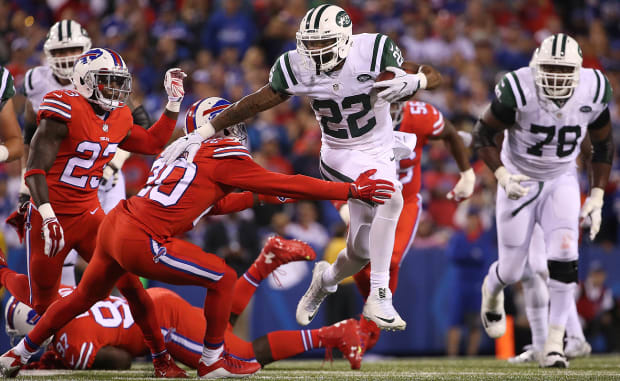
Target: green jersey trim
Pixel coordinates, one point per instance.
(375, 51)
(277, 81)
(598, 86)
(7, 89)
(608, 91)
(289, 71)
(391, 55)
(28, 82)
(603, 88)
(504, 93)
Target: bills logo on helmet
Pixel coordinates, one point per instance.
(90, 55)
(33, 317)
(191, 124)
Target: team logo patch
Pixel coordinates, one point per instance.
(343, 19)
(363, 77)
(585, 109)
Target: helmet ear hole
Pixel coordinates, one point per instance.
(82, 81)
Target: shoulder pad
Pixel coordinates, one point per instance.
(283, 77)
(601, 87)
(511, 90)
(422, 118)
(57, 105)
(225, 147)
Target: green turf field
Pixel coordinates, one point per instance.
(484, 368)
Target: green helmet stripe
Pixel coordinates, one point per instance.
(308, 16)
(555, 39)
(317, 19)
(60, 30)
(69, 29)
(563, 44)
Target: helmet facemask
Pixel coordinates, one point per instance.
(61, 62)
(110, 88)
(556, 81)
(238, 132)
(66, 41)
(321, 51)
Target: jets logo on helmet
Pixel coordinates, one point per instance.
(205, 110)
(324, 37)
(556, 65)
(65, 42)
(101, 76)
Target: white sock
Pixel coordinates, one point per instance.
(539, 320)
(344, 266)
(561, 300)
(573, 325)
(555, 339)
(381, 235)
(24, 353)
(378, 279)
(209, 356)
(536, 296)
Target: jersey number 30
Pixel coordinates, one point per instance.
(352, 119)
(159, 176)
(564, 147)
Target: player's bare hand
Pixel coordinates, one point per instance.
(367, 189)
(464, 187)
(53, 235)
(591, 212)
(512, 183)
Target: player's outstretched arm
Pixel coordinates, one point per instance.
(433, 76)
(465, 186)
(12, 146)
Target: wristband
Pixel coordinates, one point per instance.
(500, 173)
(46, 211)
(4, 153)
(423, 80)
(174, 106)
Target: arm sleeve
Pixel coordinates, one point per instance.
(7, 88)
(151, 141)
(391, 55)
(246, 174)
(234, 202)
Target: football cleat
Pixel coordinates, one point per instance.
(314, 296)
(278, 251)
(369, 334)
(553, 360)
(165, 367)
(576, 347)
(228, 366)
(529, 355)
(380, 310)
(345, 337)
(492, 313)
(10, 364)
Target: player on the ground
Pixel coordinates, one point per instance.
(11, 146)
(65, 42)
(78, 133)
(337, 71)
(546, 109)
(175, 196)
(107, 337)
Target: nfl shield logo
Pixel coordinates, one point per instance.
(105, 127)
(336, 87)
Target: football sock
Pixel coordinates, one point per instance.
(245, 287)
(561, 296)
(555, 340)
(344, 266)
(210, 355)
(539, 320)
(25, 350)
(382, 234)
(217, 307)
(536, 295)
(379, 279)
(17, 284)
(573, 326)
(285, 344)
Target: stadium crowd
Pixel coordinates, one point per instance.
(227, 47)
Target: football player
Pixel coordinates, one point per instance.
(11, 147)
(427, 123)
(546, 110)
(105, 337)
(176, 196)
(65, 42)
(78, 133)
(337, 71)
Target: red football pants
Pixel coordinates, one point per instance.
(405, 233)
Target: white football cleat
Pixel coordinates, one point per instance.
(312, 299)
(554, 360)
(492, 312)
(529, 355)
(380, 310)
(10, 364)
(576, 347)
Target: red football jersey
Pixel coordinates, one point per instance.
(424, 120)
(90, 144)
(179, 194)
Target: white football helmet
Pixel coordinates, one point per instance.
(19, 318)
(62, 35)
(94, 74)
(206, 109)
(556, 64)
(328, 23)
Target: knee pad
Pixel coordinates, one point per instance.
(565, 272)
(392, 207)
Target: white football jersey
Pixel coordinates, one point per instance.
(349, 112)
(546, 138)
(39, 81)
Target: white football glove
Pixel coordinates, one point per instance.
(173, 83)
(402, 85)
(186, 146)
(591, 212)
(110, 171)
(51, 231)
(511, 183)
(465, 186)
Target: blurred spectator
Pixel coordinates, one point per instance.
(230, 27)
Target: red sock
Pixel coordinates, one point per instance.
(17, 284)
(217, 308)
(244, 290)
(285, 344)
